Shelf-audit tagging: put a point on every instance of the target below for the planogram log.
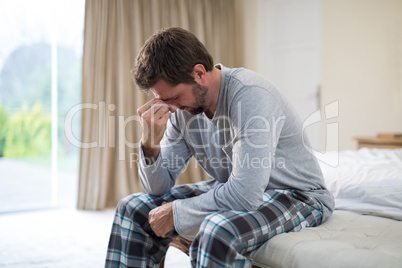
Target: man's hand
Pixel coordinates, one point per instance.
(161, 219)
(154, 114)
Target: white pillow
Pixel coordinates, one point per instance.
(367, 181)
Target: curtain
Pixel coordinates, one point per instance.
(115, 30)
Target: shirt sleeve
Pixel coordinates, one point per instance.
(174, 155)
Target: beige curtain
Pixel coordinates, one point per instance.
(114, 32)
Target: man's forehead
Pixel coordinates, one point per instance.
(160, 88)
(165, 92)
(164, 95)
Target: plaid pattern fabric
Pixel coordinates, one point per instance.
(132, 242)
(223, 237)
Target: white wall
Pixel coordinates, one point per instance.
(286, 50)
(362, 66)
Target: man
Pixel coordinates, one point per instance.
(242, 132)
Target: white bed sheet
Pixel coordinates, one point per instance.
(367, 181)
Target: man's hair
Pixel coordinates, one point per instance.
(169, 54)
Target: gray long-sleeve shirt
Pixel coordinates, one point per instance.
(253, 143)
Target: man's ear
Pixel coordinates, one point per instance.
(199, 74)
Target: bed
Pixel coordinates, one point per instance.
(365, 229)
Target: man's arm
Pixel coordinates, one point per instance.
(162, 155)
(154, 115)
(157, 168)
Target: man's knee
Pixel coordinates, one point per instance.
(215, 224)
(132, 204)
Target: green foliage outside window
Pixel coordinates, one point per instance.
(25, 100)
(4, 125)
(28, 133)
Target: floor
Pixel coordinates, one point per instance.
(25, 186)
(61, 238)
(35, 234)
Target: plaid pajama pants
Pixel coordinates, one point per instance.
(224, 237)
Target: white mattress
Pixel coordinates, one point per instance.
(347, 239)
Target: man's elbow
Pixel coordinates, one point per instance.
(251, 204)
(157, 191)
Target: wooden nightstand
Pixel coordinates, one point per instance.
(381, 143)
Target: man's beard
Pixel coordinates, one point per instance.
(200, 94)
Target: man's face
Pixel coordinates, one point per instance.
(190, 98)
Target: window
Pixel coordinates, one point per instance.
(40, 80)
